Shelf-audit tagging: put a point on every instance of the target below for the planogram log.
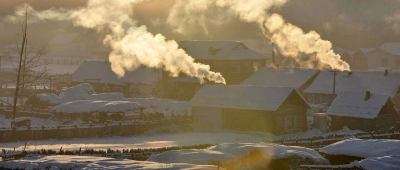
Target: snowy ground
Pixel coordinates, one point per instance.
(35, 122)
(89, 162)
(139, 141)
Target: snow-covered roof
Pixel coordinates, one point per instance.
(56, 69)
(219, 50)
(233, 151)
(102, 71)
(366, 50)
(187, 79)
(338, 50)
(242, 97)
(258, 45)
(89, 106)
(353, 104)
(66, 38)
(280, 77)
(363, 148)
(391, 47)
(373, 81)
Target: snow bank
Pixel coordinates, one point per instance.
(90, 162)
(232, 151)
(49, 97)
(79, 92)
(385, 162)
(165, 106)
(107, 97)
(363, 148)
(89, 106)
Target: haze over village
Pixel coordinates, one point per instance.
(200, 84)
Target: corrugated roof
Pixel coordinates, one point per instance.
(280, 77)
(353, 104)
(373, 81)
(242, 97)
(224, 50)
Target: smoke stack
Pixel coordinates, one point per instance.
(386, 72)
(367, 95)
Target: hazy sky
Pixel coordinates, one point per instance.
(349, 24)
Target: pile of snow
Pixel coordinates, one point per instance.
(107, 97)
(233, 151)
(165, 106)
(363, 148)
(89, 106)
(49, 97)
(385, 162)
(90, 162)
(79, 92)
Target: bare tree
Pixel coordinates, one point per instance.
(25, 76)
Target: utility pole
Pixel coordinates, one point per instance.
(273, 54)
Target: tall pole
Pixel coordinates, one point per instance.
(334, 85)
(273, 54)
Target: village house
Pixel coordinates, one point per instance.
(234, 60)
(363, 110)
(278, 110)
(345, 55)
(381, 82)
(360, 58)
(137, 83)
(386, 56)
(298, 78)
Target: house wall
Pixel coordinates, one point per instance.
(252, 120)
(338, 122)
(383, 122)
(206, 118)
(378, 59)
(360, 61)
(293, 106)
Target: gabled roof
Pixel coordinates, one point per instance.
(280, 77)
(366, 50)
(258, 45)
(242, 97)
(373, 81)
(391, 48)
(221, 50)
(338, 50)
(353, 104)
(66, 38)
(102, 70)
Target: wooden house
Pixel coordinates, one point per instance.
(363, 110)
(278, 110)
(386, 56)
(360, 58)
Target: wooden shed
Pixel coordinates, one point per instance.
(363, 110)
(278, 110)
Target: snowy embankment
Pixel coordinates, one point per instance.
(90, 162)
(229, 152)
(363, 148)
(138, 141)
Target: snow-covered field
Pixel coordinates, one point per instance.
(89, 162)
(139, 141)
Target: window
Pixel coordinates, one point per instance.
(247, 67)
(290, 123)
(256, 66)
(236, 67)
(385, 62)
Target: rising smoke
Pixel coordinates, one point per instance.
(394, 21)
(290, 40)
(132, 45)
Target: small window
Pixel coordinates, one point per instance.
(256, 66)
(385, 62)
(236, 67)
(290, 123)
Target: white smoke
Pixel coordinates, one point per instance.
(290, 40)
(394, 21)
(132, 45)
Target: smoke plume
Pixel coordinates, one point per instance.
(394, 21)
(290, 40)
(132, 45)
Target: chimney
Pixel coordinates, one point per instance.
(273, 54)
(367, 95)
(386, 72)
(349, 73)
